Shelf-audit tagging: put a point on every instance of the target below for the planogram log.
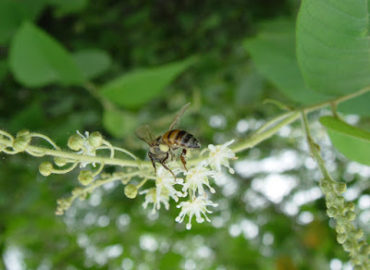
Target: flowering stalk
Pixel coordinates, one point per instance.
(351, 238)
(190, 189)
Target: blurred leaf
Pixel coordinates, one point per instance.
(138, 87)
(118, 123)
(30, 117)
(11, 16)
(333, 45)
(92, 62)
(273, 52)
(351, 141)
(358, 105)
(249, 90)
(65, 7)
(13, 13)
(3, 70)
(33, 8)
(36, 59)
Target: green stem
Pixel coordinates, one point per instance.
(264, 134)
(78, 157)
(271, 128)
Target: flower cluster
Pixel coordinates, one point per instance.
(192, 187)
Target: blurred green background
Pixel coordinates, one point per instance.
(271, 213)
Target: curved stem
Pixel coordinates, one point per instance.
(266, 131)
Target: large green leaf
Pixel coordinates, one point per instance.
(118, 123)
(273, 52)
(36, 59)
(138, 87)
(13, 13)
(92, 62)
(3, 70)
(351, 141)
(333, 45)
(64, 7)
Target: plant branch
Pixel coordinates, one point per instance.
(274, 125)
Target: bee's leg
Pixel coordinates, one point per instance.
(172, 154)
(182, 157)
(165, 166)
(153, 163)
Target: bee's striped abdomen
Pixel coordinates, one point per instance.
(177, 137)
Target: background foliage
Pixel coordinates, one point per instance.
(148, 58)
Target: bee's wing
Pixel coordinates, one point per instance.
(178, 116)
(143, 133)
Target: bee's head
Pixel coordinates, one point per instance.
(197, 144)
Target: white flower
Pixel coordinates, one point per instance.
(87, 148)
(219, 155)
(196, 177)
(163, 191)
(196, 207)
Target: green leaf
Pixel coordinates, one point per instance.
(31, 117)
(351, 141)
(13, 13)
(138, 87)
(359, 105)
(36, 59)
(273, 52)
(118, 123)
(3, 70)
(65, 7)
(92, 62)
(333, 45)
(11, 16)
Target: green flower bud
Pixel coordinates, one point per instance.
(75, 142)
(340, 228)
(23, 132)
(77, 191)
(341, 238)
(85, 177)
(367, 250)
(95, 139)
(130, 191)
(332, 212)
(350, 206)
(46, 168)
(22, 140)
(347, 246)
(359, 234)
(324, 186)
(340, 188)
(59, 161)
(350, 216)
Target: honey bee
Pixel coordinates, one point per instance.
(163, 146)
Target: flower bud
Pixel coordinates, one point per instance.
(95, 139)
(59, 161)
(358, 234)
(130, 191)
(46, 168)
(340, 187)
(332, 211)
(350, 216)
(85, 177)
(350, 206)
(23, 132)
(324, 186)
(347, 246)
(340, 228)
(22, 140)
(75, 142)
(341, 238)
